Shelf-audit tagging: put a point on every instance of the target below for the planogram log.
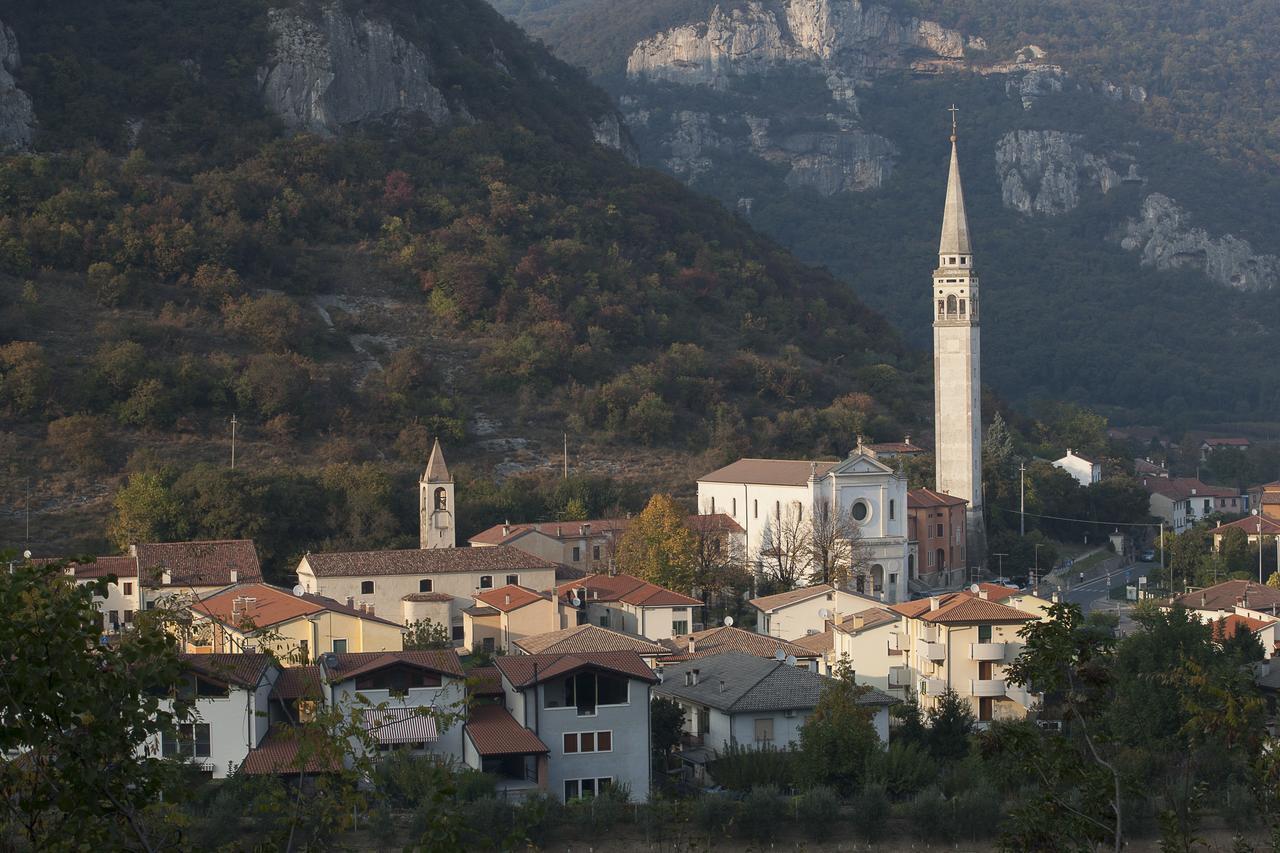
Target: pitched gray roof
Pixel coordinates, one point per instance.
(735, 683)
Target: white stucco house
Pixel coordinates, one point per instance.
(807, 610)
(773, 499)
(1086, 471)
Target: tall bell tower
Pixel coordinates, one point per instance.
(957, 378)
(435, 503)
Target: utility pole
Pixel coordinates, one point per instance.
(1000, 557)
(234, 423)
(566, 455)
(26, 540)
(1022, 499)
(1162, 558)
(1258, 513)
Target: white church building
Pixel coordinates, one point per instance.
(768, 495)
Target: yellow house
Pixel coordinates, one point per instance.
(296, 628)
(504, 615)
(964, 641)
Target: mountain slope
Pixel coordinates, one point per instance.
(455, 255)
(1125, 268)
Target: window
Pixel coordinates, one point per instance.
(486, 581)
(859, 511)
(588, 742)
(577, 553)
(764, 730)
(755, 509)
(128, 587)
(777, 509)
(441, 500)
(942, 531)
(961, 307)
(679, 626)
(951, 305)
(128, 617)
(303, 648)
(366, 587)
(893, 580)
(582, 617)
(513, 579)
(487, 644)
(892, 508)
(604, 621)
(713, 505)
(735, 507)
(114, 618)
(459, 633)
(190, 741)
(984, 633)
(424, 585)
(586, 690)
(340, 647)
(586, 788)
(595, 552)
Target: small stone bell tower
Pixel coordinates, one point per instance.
(435, 504)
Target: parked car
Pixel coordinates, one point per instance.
(1148, 555)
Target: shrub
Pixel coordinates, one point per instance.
(870, 812)
(537, 816)
(742, 768)
(902, 770)
(817, 810)
(81, 440)
(762, 811)
(489, 821)
(930, 817)
(714, 814)
(474, 785)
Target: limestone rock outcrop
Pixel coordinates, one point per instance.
(1167, 240)
(17, 120)
(1044, 171)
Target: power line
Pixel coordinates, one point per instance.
(1082, 520)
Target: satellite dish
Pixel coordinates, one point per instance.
(824, 613)
(728, 621)
(574, 600)
(26, 555)
(791, 660)
(299, 589)
(975, 589)
(779, 655)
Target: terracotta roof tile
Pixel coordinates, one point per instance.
(299, 682)
(924, 498)
(586, 638)
(351, 664)
(262, 605)
(1226, 595)
(629, 590)
(960, 608)
(867, 619)
(768, 472)
(278, 754)
(804, 593)
(1249, 524)
(494, 732)
(565, 531)
(525, 670)
(715, 641)
(1227, 626)
(510, 597)
(121, 567)
(485, 681)
(821, 643)
(242, 670)
(423, 561)
(207, 563)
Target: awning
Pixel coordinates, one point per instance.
(400, 725)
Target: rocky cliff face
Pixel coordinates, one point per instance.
(846, 37)
(338, 70)
(17, 121)
(1043, 171)
(1163, 234)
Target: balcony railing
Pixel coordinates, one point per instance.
(987, 651)
(929, 634)
(987, 688)
(934, 686)
(1022, 696)
(899, 676)
(934, 651)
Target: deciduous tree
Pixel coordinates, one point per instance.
(659, 547)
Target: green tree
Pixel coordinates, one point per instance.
(666, 725)
(425, 634)
(659, 547)
(950, 721)
(839, 738)
(85, 716)
(24, 376)
(144, 511)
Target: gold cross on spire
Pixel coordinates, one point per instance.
(953, 109)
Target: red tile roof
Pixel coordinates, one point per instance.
(485, 681)
(351, 664)
(896, 447)
(961, 608)
(1225, 627)
(586, 638)
(1181, 488)
(715, 641)
(925, 498)
(242, 670)
(1226, 595)
(870, 618)
(768, 472)
(1226, 442)
(495, 732)
(207, 563)
(566, 531)
(821, 643)
(121, 567)
(526, 670)
(794, 596)
(278, 753)
(1249, 524)
(262, 605)
(299, 682)
(629, 590)
(510, 597)
(423, 561)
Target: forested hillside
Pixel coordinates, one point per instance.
(180, 246)
(1118, 159)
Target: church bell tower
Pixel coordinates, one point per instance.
(436, 527)
(957, 378)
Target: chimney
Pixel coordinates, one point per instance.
(722, 685)
(934, 603)
(693, 645)
(858, 621)
(506, 529)
(351, 601)
(582, 530)
(370, 610)
(1203, 599)
(695, 676)
(235, 576)
(363, 607)
(166, 577)
(982, 593)
(688, 679)
(586, 528)
(506, 600)
(906, 439)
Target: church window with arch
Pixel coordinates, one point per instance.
(441, 500)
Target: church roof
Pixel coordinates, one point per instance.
(768, 472)
(955, 224)
(437, 470)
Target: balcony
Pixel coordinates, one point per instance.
(929, 634)
(933, 686)
(899, 676)
(994, 652)
(987, 688)
(895, 642)
(1022, 696)
(934, 651)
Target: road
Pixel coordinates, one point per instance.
(1095, 592)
